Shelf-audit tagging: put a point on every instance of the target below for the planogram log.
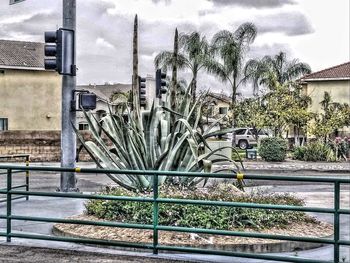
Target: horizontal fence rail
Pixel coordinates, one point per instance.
(336, 211)
(26, 157)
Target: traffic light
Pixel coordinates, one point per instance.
(160, 83)
(59, 47)
(87, 101)
(142, 91)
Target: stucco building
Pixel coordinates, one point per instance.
(30, 97)
(335, 81)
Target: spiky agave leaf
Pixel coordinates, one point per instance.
(155, 147)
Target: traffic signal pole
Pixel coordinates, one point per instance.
(68, 118)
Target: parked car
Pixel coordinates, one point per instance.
(245, 137)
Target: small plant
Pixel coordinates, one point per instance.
(299, 153)
(199, 215)
(318, 151)
(315, 152)
(273, 149)
(341, 148)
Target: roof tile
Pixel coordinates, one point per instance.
(337, 72)
(21, 54)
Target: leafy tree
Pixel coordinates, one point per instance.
(334, 116)
(279, 109)
(264, 71)
(250, 113)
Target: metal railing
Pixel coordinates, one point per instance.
(26, 157)
(156, 200)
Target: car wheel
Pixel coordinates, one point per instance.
(243, 144)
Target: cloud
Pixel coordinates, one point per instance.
(35, 25)
(158, 1)
(258, 51)
(253, 3)
(105, 27)
(289, 23)
(103, 43)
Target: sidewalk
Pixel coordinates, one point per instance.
(250, 165)
(295, 166)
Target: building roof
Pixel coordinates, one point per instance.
(21, 55)
(220, 96)
(338, 72)
(106, 91)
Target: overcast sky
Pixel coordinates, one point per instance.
(314, 31)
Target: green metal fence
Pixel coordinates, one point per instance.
(156, 200)
(26, 157)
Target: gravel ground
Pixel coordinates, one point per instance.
(43, 255)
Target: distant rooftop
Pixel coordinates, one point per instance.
(105, 91)
(340, 72)
(21, 55)
(220, 96)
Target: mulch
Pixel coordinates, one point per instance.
(304, 229)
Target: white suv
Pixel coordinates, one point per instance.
(245, 137)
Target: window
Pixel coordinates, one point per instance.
(240, 132)
(262, 132)
(3, 124)
(223, 110)
(83, 126)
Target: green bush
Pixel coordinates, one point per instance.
(299, 153)
(200, 216)
(273, 149)
(314, 152)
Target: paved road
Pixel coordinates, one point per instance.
(315, 195)
(25, 254)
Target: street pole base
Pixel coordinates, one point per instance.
(76, 190)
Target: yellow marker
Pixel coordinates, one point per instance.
(240, 175)
(77, 169)
(27, 172)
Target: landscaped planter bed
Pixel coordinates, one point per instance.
(240, 244)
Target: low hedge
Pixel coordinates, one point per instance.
(273, 149)
(314, 152)
(197, 215)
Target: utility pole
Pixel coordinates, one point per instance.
(68, 118)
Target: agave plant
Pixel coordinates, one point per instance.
(119, 143)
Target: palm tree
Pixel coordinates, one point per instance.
(231, 48)
(194, 56)
(260, 72)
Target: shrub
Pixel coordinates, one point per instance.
(273, 149)
(341, 147)
(315, 152)
(201, 216)
(299, 153)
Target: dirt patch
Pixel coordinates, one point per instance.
(319, 229)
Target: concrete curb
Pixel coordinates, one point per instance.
(296, 171)
(284, 246)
